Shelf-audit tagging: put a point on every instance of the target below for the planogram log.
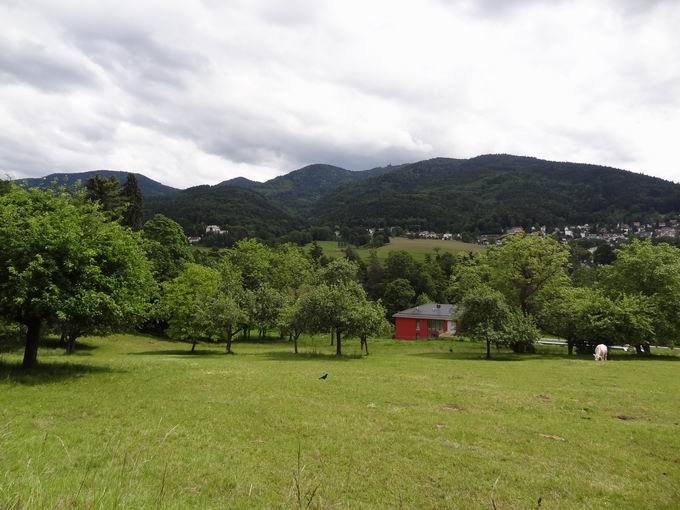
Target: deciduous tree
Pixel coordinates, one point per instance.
(483, 313)
(64, 262)
(166, 247)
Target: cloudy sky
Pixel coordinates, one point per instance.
(193, 91)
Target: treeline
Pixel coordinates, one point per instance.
(81, 263)
(73, 264)
(631, 297)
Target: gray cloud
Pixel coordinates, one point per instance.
(32, 63)
(201, 91)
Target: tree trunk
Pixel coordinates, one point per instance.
(338, 344)
(32, 339)
(638, 349)
(71, 344)
(570, 346)
(193, 345)
(364, 345)
(229, 336)
(295, 339)
(488, 349)
(62, 339)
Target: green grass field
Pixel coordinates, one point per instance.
(138, 422)
(416, 247)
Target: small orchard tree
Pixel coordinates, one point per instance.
(234, 303)
(187, 302)
(367, 318)
(483, 314)
(62, 261)
(289, 322)
(224, 317)
(330, 307)
(267, 305)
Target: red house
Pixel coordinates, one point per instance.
(424, 321)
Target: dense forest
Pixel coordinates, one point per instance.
(488, 193)
(230, 207)
(300, 190)
(483, 194)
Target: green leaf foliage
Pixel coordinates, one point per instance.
(166, 247)
(64, 262)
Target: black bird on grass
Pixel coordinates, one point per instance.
(323, 376)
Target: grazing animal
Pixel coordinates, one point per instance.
(601, 353)
(323, 376)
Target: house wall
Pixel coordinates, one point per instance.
(405, 328)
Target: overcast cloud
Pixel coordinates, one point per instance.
(201, 91)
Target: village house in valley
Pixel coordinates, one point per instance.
(424, 321)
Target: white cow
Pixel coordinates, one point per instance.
(601, 353)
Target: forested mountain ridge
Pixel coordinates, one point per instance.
(223, 205)
(298, 190)
(484, 194)
(148, 186)
(242, 182)
(491, 192)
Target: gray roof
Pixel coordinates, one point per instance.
(428, 311)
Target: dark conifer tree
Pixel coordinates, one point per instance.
(134, 214)
(106, 191)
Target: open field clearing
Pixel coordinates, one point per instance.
(416, 247)
(138, 422)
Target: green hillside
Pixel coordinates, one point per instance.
(223, 205)
(482, 194)
(298, 191)
(148, 186)
(491, 192)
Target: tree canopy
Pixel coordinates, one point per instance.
(64, 262)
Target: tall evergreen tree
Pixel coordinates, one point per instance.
(133, 216)
(106, 191)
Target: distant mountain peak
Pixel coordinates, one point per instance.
(241, 182)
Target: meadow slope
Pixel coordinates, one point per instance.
(139, 422)
(418, 248)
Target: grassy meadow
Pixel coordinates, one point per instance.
(418, 248)
(139, 422)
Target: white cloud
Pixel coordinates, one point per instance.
(192, 92)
